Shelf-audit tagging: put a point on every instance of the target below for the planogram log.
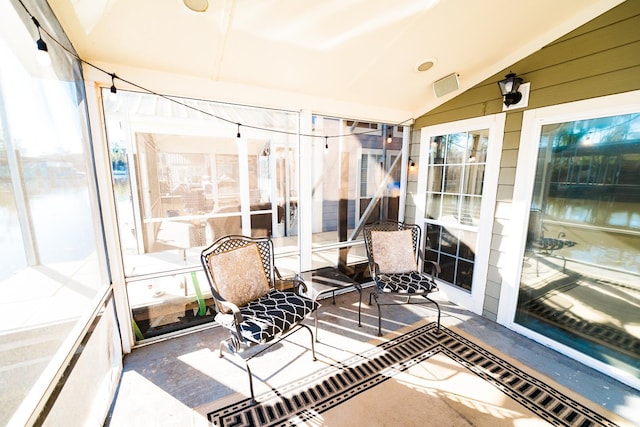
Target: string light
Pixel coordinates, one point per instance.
(113, 84)
(326, 142)
(412, 164)
(42, 54)
(113, 91)
(42, 47)
(389, 138)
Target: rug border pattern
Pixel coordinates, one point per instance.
(304, 399)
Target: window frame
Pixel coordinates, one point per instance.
(474, 300)
(532, 123)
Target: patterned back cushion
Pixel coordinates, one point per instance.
(393, 251)
(238, 275)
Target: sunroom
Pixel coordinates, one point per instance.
(155, 129)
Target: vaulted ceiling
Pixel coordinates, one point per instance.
(360, 55)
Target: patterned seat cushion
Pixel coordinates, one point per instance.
(270, 316)
(412, 282)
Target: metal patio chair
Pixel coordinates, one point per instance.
(395, 264)
(243, 281)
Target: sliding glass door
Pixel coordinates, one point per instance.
(579, 281)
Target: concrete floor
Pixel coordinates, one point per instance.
(164, 382)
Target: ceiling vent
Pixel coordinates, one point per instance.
(446, 85)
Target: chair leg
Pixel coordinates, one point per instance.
(230, 344)
(438, 307)
(253, 398)
(375, 297)
(359, 308)
(313, 349)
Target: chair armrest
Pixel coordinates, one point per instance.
(281, 284)
(278, 275)
(295, 284)
(299, 286)
(376, 270)
(237, 315)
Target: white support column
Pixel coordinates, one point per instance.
(305, 199)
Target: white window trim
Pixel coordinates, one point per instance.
(532, 123)
(474, 300)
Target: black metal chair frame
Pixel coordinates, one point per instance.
(237, 342)
(425, 278)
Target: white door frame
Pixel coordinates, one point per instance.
(474, 300)
(532, 123)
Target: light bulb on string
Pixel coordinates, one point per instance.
(389, 138)
(113, 91)
(412, 164)
(326, 142)
(42, 54)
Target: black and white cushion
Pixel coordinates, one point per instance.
(269, 316)
(411, 282)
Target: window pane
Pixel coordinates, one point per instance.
(168, 303)
(468, 243)
(435, 179)
(449, 209)
(432, 243)
(452, 179)
(474, 179)
(464, 274)
(448, 266)
(478, 147)
(457, 169)
(470, 210)
(456, 148)
(53, 268)
(434, 205)
(356, 178)
(226, 187)
(581, 272)
(183, 179)
(437, 150)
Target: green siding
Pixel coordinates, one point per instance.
(600, 58)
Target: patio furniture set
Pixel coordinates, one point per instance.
(258, 307)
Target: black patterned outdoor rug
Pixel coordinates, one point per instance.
(411, 380)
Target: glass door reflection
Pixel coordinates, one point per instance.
(580, 280)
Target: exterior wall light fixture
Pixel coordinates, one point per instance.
(509, 89)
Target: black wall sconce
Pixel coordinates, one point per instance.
(509, 89)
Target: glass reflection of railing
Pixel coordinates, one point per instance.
(609, 248)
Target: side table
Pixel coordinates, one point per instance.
(328, 280)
